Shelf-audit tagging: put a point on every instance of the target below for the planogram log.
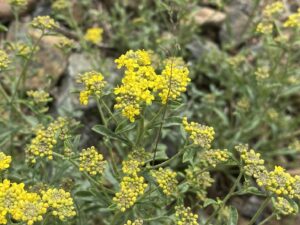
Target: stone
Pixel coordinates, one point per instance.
(205, 15)
(5, 9)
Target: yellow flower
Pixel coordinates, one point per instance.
(131, 188)
(60, 201)
(39, 96)
(4, 60)
(262, 73)
(44, 23)
(200, 180)
(18, 3)
(254, 165)
(4, 161)
(59, 5)
(264, 27)
(20, 48)
(137, 84)
(213, 157)
(293, 20)
(136, 222)
(30, 208)
(94, 35)
(46, 138)
(94, 84)
(166, 179)
(273, 8)
(173, 80)
(283, 206)
(200, 134)
(91, 161)
(185, 216)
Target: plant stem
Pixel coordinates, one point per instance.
(227, 197)
(169, 160)
(109, 111)
(140, 131)
(267, 219)
(260, 210)
(101, 112)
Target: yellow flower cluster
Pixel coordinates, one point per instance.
(200, 134)
(20, 48)
(131, 167)
(136, 159)
(59, 5)
(93, 85)
(136, 222)
(200, 180)
(44, 23)
(94, 35)
(65, 44)
(137, 83)
(60, 202)
(173, 80)
(131, 187)
(262, 73)
(166, 179)
(18, 3)
(141, 83)
(91, 161)
(283, 206)
(213, 157)
(30, 207)
(273, 8)
(4, 60)
(5, 161)
(279, 182)
(293, 20)
(39, 97)
(46, 138)
(254, 165)
(185, 216)
(21, 205)
(264, 27)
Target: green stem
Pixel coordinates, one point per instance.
(167, 162)
(227, 197)
(267, 219)
(140, 131)
(109, 111)
(260, 210)
(101, 112)
(158, 218)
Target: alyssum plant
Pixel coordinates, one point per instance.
(136, 182)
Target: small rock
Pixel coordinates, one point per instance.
(238, 15)
(205, 15)
(5, 9)
(49, 62)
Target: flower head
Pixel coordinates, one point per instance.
(5, 161)
(136, 222)
(284, 206)
(60, 201)
(94, 35)
(166, 179)
(131, 187)
(293, 20)
(185, 216)
(91, 161)
(137, 84)
(213, 157)
(44, 23)
(4, 60)
(18, 3)
(254, 165)
(173, 80)
(273, 8)
(200, 134)
(93, 85)
(59, 5)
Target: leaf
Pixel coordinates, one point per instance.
(233, 218)
(124, 126)
(290, 90)
(161, 152)
(100, 129)
(209, 201)
(188, 155)
(222, 116)
(173, 121)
